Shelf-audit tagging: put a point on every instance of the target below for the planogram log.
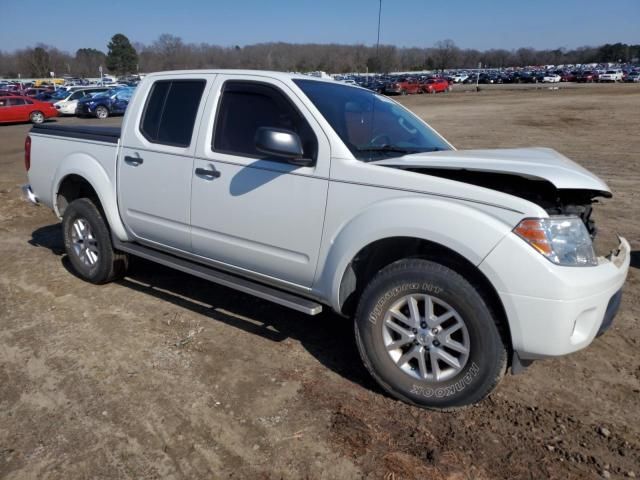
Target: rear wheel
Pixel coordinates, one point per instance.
(427, 336)
(36, 117)
(102, 112)
(88, 244)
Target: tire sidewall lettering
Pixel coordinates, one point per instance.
(379, 309)
(449, 390)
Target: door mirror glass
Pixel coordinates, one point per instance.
(281, 143)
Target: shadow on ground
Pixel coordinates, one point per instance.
(635, 258)
(328, 337)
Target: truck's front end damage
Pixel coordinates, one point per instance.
(557, 293)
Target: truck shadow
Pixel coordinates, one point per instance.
(635, 259)
(328, 336)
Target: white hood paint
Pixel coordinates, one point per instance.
(543, 163)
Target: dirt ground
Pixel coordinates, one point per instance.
(162, 375)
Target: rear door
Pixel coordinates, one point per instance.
(155, 163)
(255, 212)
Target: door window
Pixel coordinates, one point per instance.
(247, 106)
(171, 110)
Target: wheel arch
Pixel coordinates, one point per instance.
(458, 234)
(81, 176)
(379, 254)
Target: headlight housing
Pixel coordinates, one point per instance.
(561, 240)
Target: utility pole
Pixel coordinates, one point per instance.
(378, 41)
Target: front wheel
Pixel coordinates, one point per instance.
(87, 242)
(428, 337)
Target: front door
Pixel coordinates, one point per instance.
(251, 211)
(156, 161)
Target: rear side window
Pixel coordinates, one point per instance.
(170, 113)
(247, 106)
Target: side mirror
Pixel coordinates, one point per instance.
(281, 143)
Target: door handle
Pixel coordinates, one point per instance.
(207, 174)
(133, 161)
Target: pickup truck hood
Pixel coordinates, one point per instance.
(533, 163)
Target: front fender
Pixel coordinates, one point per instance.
(469, 231)
(103, 183)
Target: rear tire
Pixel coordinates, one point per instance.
(427, 336)
(36, 117)
(102, 112)
(87, 241)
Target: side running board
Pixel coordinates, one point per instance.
(216, 276)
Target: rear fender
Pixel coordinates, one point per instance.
(103, 183)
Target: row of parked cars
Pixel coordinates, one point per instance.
(547, 76)
(402, 84)
(38, 104)
(411, 83)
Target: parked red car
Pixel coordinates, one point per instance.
(568, 76)
(435, 85)
(403, 86)
(587, 77)
(25, 109)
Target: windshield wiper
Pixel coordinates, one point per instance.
(387, 148)
(390, 149)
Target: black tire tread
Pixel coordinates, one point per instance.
(410, 264)
(117, 266)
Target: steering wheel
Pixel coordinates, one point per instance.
(375, 141)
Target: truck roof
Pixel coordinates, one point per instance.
(263, 73)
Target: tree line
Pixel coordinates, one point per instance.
(169, 52)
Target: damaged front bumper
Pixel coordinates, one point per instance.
(555, 310)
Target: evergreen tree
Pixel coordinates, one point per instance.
(122, 57)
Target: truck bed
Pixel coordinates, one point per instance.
(83, 132)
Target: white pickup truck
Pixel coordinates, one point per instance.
(455, 265)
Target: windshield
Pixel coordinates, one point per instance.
(370, 125)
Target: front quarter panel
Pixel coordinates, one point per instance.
(358, 215)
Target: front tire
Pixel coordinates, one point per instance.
(87, 241)
(427, 336)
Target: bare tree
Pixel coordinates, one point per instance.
(445, 54)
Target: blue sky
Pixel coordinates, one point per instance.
(70, 25)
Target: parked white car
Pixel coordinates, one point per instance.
(309, 193)
(68, 105)
(460, 77)
(611, 76)
(551, 78)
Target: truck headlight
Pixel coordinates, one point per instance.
(562, 240)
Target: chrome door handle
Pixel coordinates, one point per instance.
(207, 174)
(133, 161)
